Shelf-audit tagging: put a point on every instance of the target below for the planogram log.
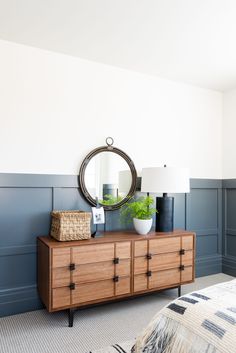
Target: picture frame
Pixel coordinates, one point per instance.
(98, 215)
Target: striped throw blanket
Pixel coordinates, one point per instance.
(200, 322)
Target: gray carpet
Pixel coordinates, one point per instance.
(94, 328)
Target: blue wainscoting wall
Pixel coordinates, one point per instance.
(27, 200)
(229, 227)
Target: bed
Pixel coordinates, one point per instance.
(200, 322)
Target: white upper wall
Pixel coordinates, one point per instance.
(229, 139)
(55, 108)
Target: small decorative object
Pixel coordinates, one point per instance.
(165, 180)
(140, 211)
(98, 215)
(98, 218)
(70, 225)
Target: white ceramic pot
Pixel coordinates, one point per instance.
(142, 226)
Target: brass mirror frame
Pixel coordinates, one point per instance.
(108, 148)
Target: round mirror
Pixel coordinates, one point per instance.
(107, 177)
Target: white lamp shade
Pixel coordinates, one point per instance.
(165, 180)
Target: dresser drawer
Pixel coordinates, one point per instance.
(93, 291)
(123, 269)
(164, 245)
(92, 253)
(140, 282)
(123, 286)
(164, 261)
(93, 272)
(123, 250)
(164, 278)
(61, 297)
(140, 265)
(60, 277)
(187, 258)
(187, 242)
(60, 257)
(140, 248)
(187, 274)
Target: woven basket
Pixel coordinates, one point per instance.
(70, 225)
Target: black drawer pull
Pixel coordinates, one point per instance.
(182, 252)
(149, 273)
(149, 256)
(181, 268)
(72, 267)
(72, 286)
(116, 279)
(116, 260)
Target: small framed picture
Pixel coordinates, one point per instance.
(98, 215)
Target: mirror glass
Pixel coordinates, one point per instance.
(108, 178)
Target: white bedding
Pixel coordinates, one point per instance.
(200, 322)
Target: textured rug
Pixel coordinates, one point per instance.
(94, 328)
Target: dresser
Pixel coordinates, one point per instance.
(115, 266)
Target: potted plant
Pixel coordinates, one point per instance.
(139, 210)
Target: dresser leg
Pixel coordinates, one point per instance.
(71, 317)
(179, 291)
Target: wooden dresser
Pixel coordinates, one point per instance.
(116, 266)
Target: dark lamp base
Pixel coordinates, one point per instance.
(165, 215)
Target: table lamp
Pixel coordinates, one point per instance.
(165, 180)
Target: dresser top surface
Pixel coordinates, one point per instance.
(113, 236)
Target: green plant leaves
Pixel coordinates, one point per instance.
(110, 200)
(141, 208)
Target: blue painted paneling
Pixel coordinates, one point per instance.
(179, 211)
(69, 199)
(12, 180)
(229, 265)
(203, 209)
(229, 227)
(204, 216)
(231, 207)
(113, 221)
(231, 245)
(206, 245)
(19, 271)
(24, 212)
(25, 205)
(208, 265)
(19, 300)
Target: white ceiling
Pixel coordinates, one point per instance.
(193, 41)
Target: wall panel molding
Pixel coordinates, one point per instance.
(206, 184)
(38, 180)
(229, 265)
(17, 300)
(229, 227)
(230, 231)
(229, 184)
(208, 265)
(18, 250)
(205, 232)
